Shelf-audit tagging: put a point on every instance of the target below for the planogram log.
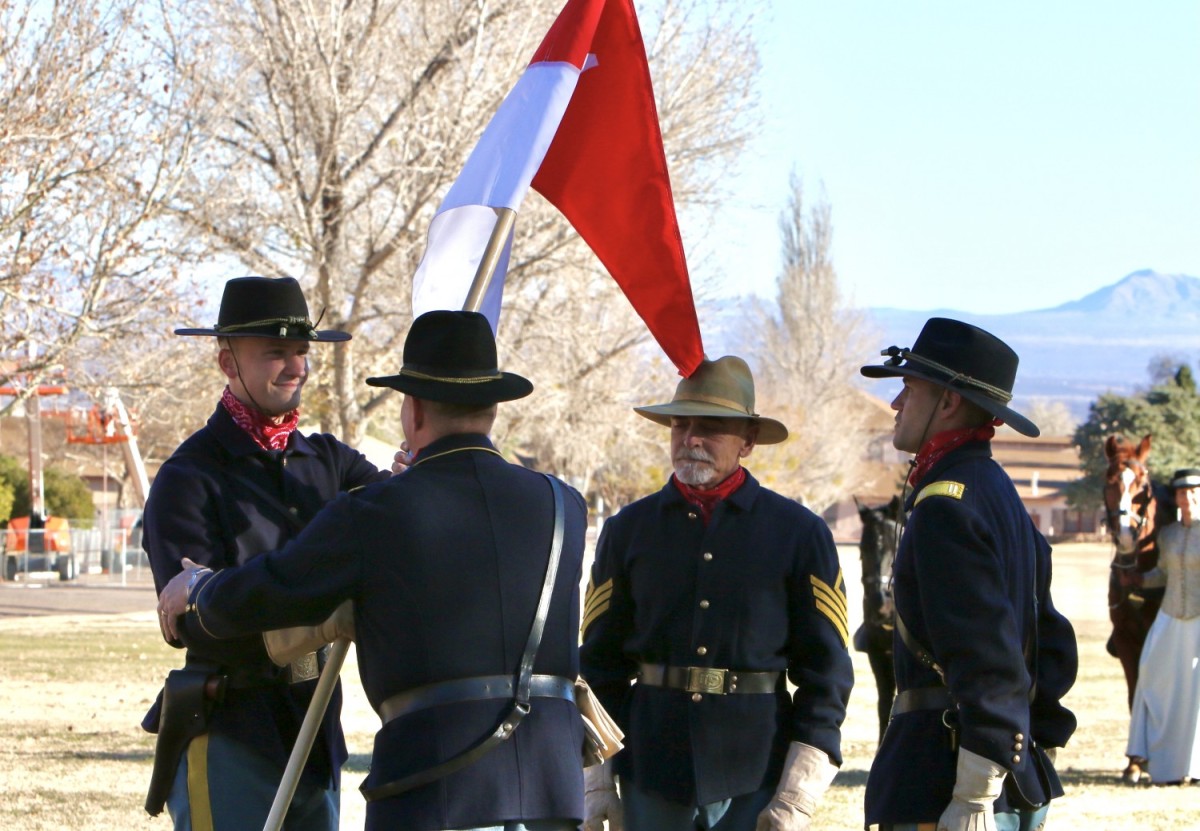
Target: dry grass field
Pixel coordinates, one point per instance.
(73, 689)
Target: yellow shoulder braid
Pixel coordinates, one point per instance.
(954, 490)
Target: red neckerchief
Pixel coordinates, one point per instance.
(943, 443)
(706, 500)
(266, 434)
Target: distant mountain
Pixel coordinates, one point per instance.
(1169, 295)
(1103, 342)
(1072, 353)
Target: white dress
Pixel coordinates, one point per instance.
(1165, 723)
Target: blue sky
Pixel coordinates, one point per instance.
(985, 157)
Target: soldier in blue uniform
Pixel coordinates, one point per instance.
(445, 567)
(245, 483)
(704, 600)
(982, 657)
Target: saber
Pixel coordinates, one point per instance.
(337, 655)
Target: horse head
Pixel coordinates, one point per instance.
(1129, 501)
(877, 549)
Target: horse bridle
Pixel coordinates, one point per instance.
(886, 533)
(1141, 501)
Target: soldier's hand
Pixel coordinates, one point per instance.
(807, 774)
(977, 784)
(600, 800)
(173, 600)
(402, 460)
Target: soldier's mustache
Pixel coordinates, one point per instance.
(693, 455)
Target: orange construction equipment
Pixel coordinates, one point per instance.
(45, 548)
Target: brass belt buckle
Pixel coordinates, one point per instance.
(304, 668)
(706, 680)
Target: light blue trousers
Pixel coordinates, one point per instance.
(222, 785)
(1019, 821)
(645, 811)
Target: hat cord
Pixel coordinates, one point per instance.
(493, 375)
(282, 322)
(897, 354)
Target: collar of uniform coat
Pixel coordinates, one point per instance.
(451, 444)
(970, 450)
(742, 498)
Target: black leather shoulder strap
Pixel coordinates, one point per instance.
(520, 705)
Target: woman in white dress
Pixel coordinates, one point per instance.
(1165, 724)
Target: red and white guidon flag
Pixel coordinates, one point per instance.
(582, 126)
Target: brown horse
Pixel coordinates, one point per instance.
(1131, 507)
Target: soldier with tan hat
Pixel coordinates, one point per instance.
(704, 600)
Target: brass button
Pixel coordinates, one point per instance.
(732, 687)
(703, 604)
(691, 515)
(1020, 737)
(1016, 759)
(697, 697)
(707, 556)
(1018, 746)
(702, 650)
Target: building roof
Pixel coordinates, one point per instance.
(1040, 468)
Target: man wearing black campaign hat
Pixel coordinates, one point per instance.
(246, 482)
(711, 595)
(982, 657)
(1164, 727)
(466, 621)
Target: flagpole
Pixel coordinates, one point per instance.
(307, 734)
(505, 217)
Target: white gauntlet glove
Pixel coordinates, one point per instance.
(286, 645)
(807, 773)
(976, 788)
(600, 800)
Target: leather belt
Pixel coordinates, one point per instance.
(479, 688)
(261, 675)
(922, 698)
(709, 680)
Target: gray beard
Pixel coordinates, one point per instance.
(695, 469)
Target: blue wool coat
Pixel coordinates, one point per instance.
(969, 569)
(769, 598)
(445, 565)
(204, 505)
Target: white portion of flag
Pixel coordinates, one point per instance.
(457, 239)
(496, 175)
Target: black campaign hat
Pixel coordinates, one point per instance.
(976, 364)
(451, 356)
(265, 307)
(1188, 477)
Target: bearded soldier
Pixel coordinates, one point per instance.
(705, 599)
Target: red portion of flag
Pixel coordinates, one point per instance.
(570, 38)
(607, 172)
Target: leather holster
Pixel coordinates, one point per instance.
(187, 700)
